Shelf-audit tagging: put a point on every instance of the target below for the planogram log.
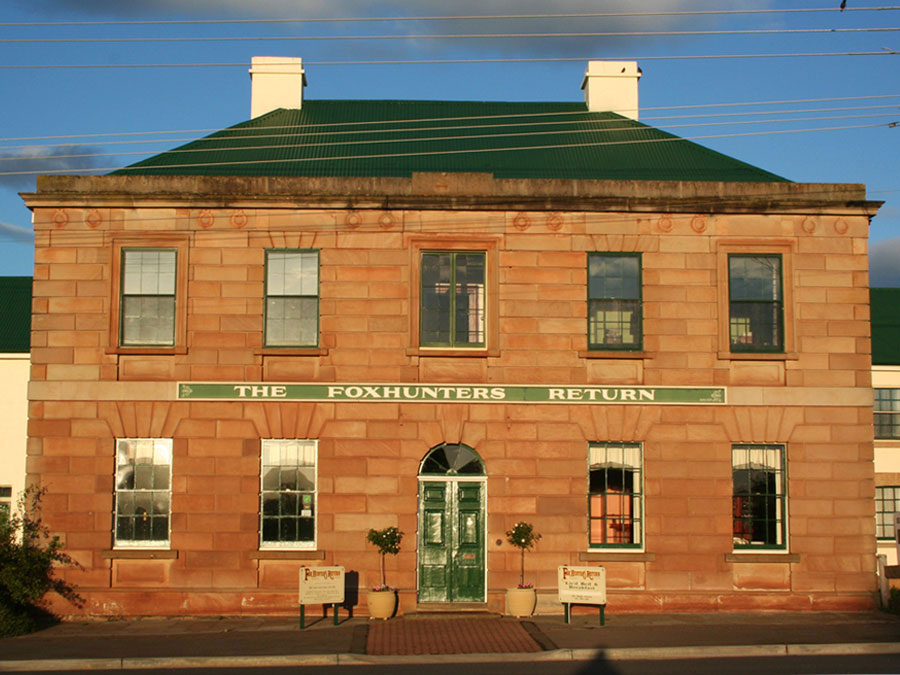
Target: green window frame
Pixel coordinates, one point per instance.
(292, 298)
(288, 494)
(615, 495)
(143, 492)
(147, 317)
(887, 413)
(756, 303)
(5, 503)
(759, 506)
(887, 503)
(615, 306)
(453, 299)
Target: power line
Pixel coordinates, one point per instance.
(425, 139)
(456, 118)
(456, 36)
(474, 17)
(406, 62)
(445, 152)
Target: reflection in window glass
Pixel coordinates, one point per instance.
(614, 301)
(143, 491)
(614, 494)
(758, 501)
(148, 297)
(5, 503)
(453, 299)
(292, 298)
(887, 413)
(756, 321)
(288, 494)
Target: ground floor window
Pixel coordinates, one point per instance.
(614, 495)
(5, 503)
(288, 494)
(143, 491)
(758, 503)
(887, 503)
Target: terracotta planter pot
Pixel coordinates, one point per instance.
(382, 604)
(520, 601)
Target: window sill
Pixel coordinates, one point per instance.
(280, 554)
(758, 356)
(621, 555)
(614, 354)
(751, 557)
(292, 351)
(440, 352)
(161, 351)
(140, 554)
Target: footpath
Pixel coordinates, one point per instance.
(430, 638)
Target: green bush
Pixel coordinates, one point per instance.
(387, 541)
(28, 555)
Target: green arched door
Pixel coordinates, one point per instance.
(451, 525)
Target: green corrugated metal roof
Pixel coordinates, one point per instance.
(396, 138)
(15, 314)
(885, 311)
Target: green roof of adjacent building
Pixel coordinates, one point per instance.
(15, 315)
(885, 312)
(397, 138)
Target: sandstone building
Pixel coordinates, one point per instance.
(450, 317)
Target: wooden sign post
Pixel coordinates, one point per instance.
(582, 586)
(321, 586)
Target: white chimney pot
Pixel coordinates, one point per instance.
(612, 86)
(276, 82)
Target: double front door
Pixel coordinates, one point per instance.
(451, 540)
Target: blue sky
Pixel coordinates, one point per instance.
(837, 130)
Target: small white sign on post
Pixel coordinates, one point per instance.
(582, 585)
(321, 585)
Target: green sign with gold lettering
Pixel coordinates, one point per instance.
(449, 393)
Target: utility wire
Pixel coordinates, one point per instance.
(457, 36)
(447, 152)
(460, 118)
(406, 62)
(423, 139)
(475, 17)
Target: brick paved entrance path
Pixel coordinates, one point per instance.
(448, 636)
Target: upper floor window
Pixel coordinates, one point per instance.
(887, 413)
(288, 494)
(148, 297)
(758, 499)
(614, 301)
(614, 495)
(453, 299)
(143, 491)
(292, 298)
(887, 503)
(756, 306)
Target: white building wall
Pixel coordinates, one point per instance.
(14, 372)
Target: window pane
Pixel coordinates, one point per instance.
(614, 494)
(756, 311)
(758, 509)
(143, 497)
(288, 493)
(148, 320)
(614, 301)
(887, 503)
(292, 298)
(887, 413)
(453, 299)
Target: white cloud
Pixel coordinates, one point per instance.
(16, 233)
(19, 167)
(884, 263)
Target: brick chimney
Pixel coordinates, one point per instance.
(276, 82)
(612, 86)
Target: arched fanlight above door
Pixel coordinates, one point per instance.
(451, 459)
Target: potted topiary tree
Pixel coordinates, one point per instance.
(382, 599)
(521, 601)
